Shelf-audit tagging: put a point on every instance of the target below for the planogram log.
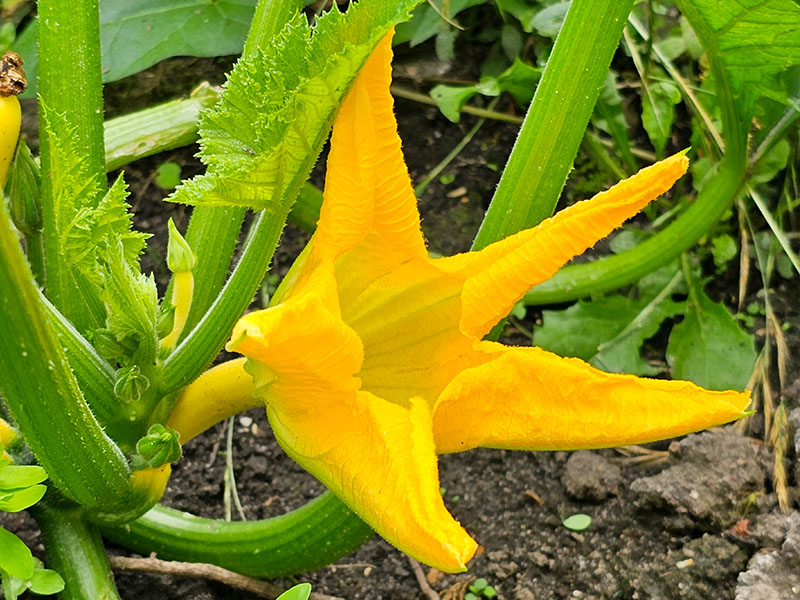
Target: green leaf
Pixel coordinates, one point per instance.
(756, 40)
(93, 233)
(771, 163)
(168, 175)
(519, 80)
(478, 585)
(131, 301)
(15, 558)
(299, 592)
(547, 22)
(709, 348)
(73, 286)
(18, 500)
(521, 10)
(608, 332)
(45, 582)
(658, 112)
(577, 522)
(136, 35)
(427, 22)
(260, 141)
(20, 476)
(723, 249)
(451, 99)
(75, 189)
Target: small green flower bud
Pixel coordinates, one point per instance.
(165, 319)
(24, 183)
(160, 446)
(130, 384)
(180, 257)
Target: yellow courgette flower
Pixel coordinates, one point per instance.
(370, 358)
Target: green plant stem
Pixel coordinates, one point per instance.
(156, 129)
(70, 76)
(69, 83)
(715, 197)
(786, 246)
(213, 230)
(198, 349)
(556, 120)
(212, 234)
(777, 133)
(75, 550)
(484, 113)
(308, 538)
(93, 374)
(42, 394)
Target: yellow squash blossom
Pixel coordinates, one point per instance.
(370, 359)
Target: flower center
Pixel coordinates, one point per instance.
(406, 313)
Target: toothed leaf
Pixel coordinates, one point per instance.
(131, 301)
(756, 40)
(262, 139)
(94, 230)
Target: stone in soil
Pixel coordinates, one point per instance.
(713, 474)
(590, 477)
(794, 423)
(694, 572)
(774, 574)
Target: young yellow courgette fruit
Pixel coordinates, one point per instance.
(12, 83)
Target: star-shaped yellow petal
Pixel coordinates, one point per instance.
(370, 359)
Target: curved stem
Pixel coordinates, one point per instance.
(217, 394)
(70, 84)
(714, 198)
(40, 390)
(203, 343)
(214, 230)
(75, 550)
(308, 538)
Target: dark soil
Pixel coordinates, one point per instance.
(683, 523)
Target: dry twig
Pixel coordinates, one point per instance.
(423, 583)
(263, 589)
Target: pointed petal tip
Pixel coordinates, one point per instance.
(497, 276)
(738, 403)
(680, 161)
(453, 555)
